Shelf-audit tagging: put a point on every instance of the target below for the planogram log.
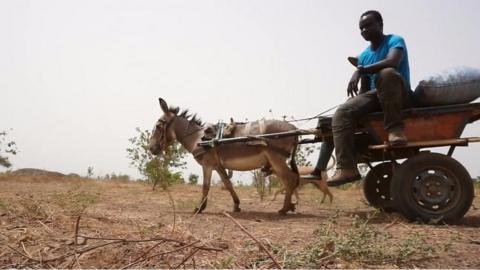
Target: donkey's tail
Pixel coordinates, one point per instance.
(293, 163)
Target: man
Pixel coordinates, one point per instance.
(383, 70)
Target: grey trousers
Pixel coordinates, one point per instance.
(326, 150)
(390, 95)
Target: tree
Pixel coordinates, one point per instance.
(303, 152)
(156, 169)
(90, 172)
(6, 148)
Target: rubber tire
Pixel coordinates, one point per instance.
(410, 173)
(377, 191)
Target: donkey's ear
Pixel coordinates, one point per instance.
(163, 105)
(231, 120)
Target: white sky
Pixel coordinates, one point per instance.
(77, 77)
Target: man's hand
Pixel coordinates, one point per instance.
(353, 61)
(352, 89)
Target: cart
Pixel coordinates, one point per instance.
(422, 185)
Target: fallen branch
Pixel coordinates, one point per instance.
(187, 257)
(21, 253)
(159, 254)
(45, 226)
(151, 240)
(75, 237)
(174, 212)
(148, 251)
(255, 239)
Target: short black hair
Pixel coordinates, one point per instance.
(375, 14)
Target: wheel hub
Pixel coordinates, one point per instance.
(433, 189)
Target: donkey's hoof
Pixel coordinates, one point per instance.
(197, 210)
(237, 209)
(282, 212)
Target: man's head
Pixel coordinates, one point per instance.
(371, 25)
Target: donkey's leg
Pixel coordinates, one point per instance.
(289, 179)
(207, 175)
(228, 184)
(296, 193)
(324, 188)
(317, 185)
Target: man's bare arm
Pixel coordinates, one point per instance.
(391, 61)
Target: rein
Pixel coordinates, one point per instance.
(314, 117)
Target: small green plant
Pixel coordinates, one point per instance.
(156, 169)
(31, 208)
(225, 262)
(193, 179)
(362, 243)
(75, 202)
(258, 181)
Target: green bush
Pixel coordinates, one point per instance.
(193, 179)
(157, 170)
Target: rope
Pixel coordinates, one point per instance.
(316, 116)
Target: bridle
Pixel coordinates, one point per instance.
(166, 124)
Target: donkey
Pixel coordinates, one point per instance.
(238, 156)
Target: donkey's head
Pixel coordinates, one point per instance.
(162, 135)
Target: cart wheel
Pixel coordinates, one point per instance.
(432, 187)
(376, 187)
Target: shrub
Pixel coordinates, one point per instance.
(193, 179)
(156, 169)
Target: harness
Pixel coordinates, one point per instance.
(256, 141)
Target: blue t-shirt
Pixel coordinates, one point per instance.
(368, 57)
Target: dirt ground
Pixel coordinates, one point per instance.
(70, 222)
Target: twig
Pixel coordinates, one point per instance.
(25, 250)
(327, 257)
(187, 257)
(174, 212)
(15, 227)
(255, 239)
(148, 251)
(391, 223)
(198, 211)
(159, 254)
(75, 243)
(45, 226)
(81, 251)
(76, 231)
(21, 253)
(150, 240)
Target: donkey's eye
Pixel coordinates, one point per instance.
(161, 123)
